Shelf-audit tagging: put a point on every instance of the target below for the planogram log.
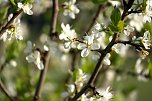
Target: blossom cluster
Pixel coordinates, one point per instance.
(70, 9)
(33, 55)
(14, 29)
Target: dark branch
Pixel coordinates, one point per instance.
(47, 55)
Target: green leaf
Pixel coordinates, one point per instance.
(3, 13)
(99, 1)
(115, 16)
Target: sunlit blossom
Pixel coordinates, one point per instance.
(128, 29)
(88, 45)
(148, 11)
(106, 94)
(70, 9)
(33, 55)
(146, 40)
(106, 59)
(67, 34)
(25, 7)
(13, 31)
(36, 58)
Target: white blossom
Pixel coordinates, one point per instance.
(29, 47)
(26, 8)
(146, 40)
(71, 88)
(148, 11)
(88, 45)
(70, 9)
(36, 58)
(13, 31)
(106, 60)
(106, 94)
(136, 20)
(80, 79)
(128, 29)
(33, 55)
(67, 34)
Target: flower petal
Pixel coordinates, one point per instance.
(95, 46)
(81, 46)
(85, 52)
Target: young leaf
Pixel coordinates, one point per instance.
(121, 25)
(115, 16)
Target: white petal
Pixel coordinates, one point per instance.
(72, 15)
(40, 66)
(20, 5)
(46, 48)
(81, 46)
(85, 52)
(95, 46)
(30, 58)
(62, 36)
(30, 12)
(29, 47)
(18, 36)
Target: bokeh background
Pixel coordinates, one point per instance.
(20, 77)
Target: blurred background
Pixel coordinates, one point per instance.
(129, 76)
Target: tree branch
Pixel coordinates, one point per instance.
(47, 55)
(97, 69)
(137, 46)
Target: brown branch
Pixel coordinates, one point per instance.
(137, 46)
(54, 18)
(127, 6)
(3, 29)
(47, 56)
(96, 70)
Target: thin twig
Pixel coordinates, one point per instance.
(100, 8)
(94, 19)
(47, 56)
(137, 46)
